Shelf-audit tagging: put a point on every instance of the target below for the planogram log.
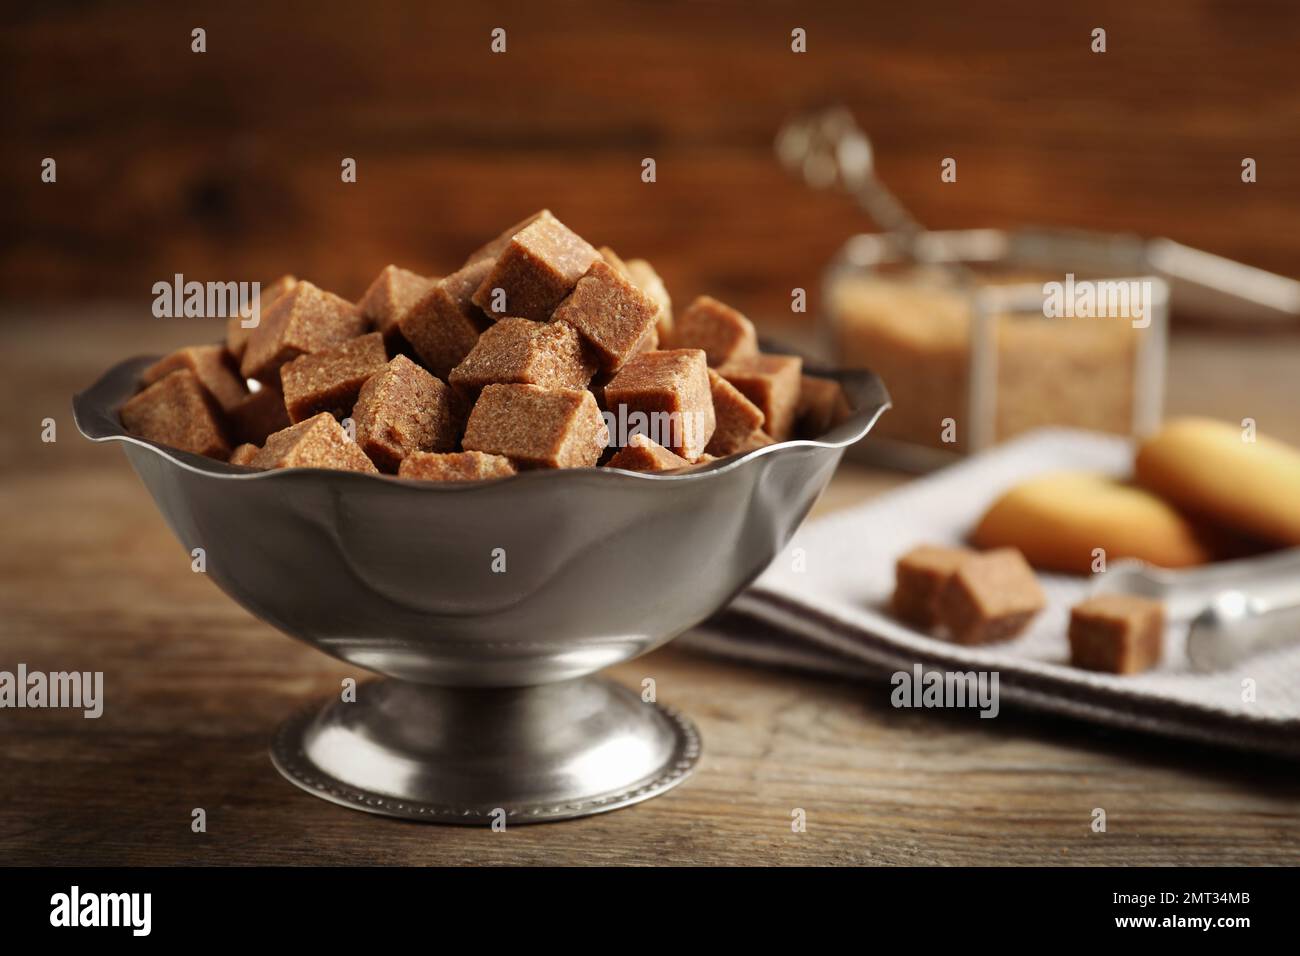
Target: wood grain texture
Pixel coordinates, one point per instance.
(90, 578)
(226, 164)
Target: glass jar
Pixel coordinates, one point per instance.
(982, 335)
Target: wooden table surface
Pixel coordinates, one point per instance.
(93, 580)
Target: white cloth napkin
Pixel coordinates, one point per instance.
(822, 605)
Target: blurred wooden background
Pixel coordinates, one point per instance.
(225, 165)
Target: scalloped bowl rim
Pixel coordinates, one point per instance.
(852, 430)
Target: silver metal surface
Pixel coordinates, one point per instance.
(489, 704)
(437, 754)
(1232, 609)
(1237, 625)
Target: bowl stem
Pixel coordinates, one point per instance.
(480, 756)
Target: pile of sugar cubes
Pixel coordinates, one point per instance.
(541, 351)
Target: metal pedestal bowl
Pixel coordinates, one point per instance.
(486, 606)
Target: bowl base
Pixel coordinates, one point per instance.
(485, 757)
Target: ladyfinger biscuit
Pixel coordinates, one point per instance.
(1211, 469)
(1059, 520)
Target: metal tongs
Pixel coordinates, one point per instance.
(1232, 610)
(828, 150)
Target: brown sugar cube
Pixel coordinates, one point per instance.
(920, 577)
(603, 376)
(523, 352)
(236, 332)
(724, 334)
(738, 418)
(319, 442)
(494, 247)
(179, 412)
(403, 409)
(671, 390)
(244, 454)
(615, 260)
(537, 427)
(210, 365)
(304, 319)
(390, 296)
(990, 597)
(772, 383)
(454, 466)
(649, 343)
(754, 440)
(538, 267)
(647, 280)
(260, 414)
(642, 454)
(1116, 633)
(443, 325)
(822, 405)
(330, 381)
(644, 279)
(611, 313)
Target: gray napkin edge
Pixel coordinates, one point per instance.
(836, 640)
